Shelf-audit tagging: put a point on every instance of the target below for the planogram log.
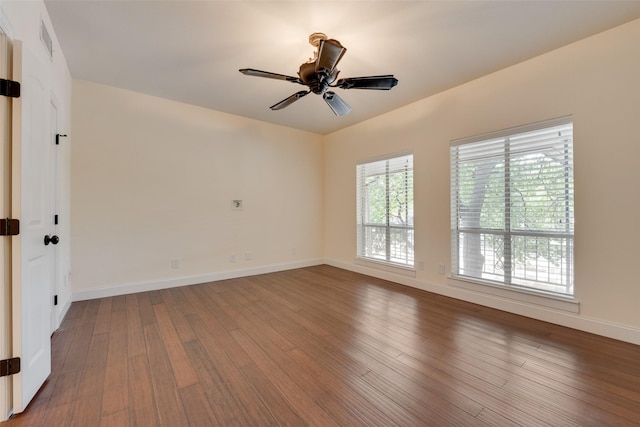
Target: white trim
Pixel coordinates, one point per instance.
(535, 311)
(63, 311)
(564, 120)
(382, 157)
(131, 288)
(558, 302)
(386, 266)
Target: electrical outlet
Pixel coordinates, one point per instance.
(441, 268)
(232, 258)
(175, 263)
(248, 256)
(294, 251)
(421, 265)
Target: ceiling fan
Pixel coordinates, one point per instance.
(320, 73)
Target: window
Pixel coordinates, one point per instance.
(512, 207)
(385, 210)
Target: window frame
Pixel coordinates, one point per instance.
(362, 225)
(507, 232)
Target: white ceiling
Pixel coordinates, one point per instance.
(191, 51)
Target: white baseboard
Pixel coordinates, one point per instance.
(547, 314)
(64, 310)
(132, 288)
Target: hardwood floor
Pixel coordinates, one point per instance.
(323, 346)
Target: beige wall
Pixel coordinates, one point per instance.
(595, 80)
(153, 181)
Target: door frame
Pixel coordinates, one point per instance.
(6, 350)
(55, 199)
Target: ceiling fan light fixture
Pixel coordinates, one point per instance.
(330, 52)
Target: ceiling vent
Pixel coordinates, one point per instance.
(46, 39)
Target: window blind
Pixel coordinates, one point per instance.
(385, 210)
(512, 210)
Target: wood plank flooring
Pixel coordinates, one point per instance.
(321, 346)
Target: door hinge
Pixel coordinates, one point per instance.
(58, 136)
(9, 227)
(9, 366)
(55, 300)
(9, 88)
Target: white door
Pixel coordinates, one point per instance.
(31, 203)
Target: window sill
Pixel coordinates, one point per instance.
(557, 302)
(392, 268)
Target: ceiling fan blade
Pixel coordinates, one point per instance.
(329, 54)
(289, 100)
(269, 75)
(370, 82)
(338, 106)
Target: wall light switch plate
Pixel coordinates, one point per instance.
(236, 205)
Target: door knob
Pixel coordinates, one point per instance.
(51, 239)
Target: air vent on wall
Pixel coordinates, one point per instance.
(46, 38)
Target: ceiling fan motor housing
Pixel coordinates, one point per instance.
(318, 82)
